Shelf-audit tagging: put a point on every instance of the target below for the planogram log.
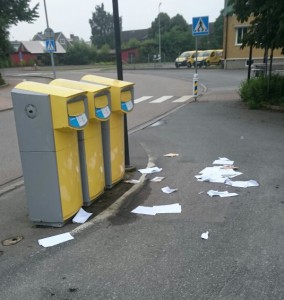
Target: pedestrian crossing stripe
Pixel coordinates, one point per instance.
(183, 99)
(162, 99)
(141, 99)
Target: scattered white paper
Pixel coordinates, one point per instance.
(150, 170)
(168, 209)
(157, 209)
(144, 210)
(168, 190)
(81, 217)
(218, 172)
(55, 240)
(134, 181)
(171, 154)
(208, 178)
(157, 179)
(229, 167)
(204, 235)
(243, 184)
(213, 193)
(223, 161)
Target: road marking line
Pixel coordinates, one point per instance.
(183, 99)
(142, 99)
(162, 99)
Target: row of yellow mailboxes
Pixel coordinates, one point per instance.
(71, 141)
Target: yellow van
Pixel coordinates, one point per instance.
(215, 57)
(201, 58)
(181, 61)
(191, 59)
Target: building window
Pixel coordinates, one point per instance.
(240, 33)
(62, 41)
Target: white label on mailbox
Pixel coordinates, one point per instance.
(106, 111)
(129, 105)
(82, 119)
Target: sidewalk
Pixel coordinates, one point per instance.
(5, 92)
(163, 256)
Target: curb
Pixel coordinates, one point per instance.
(9, 187)
(4, 85)
(114, 208)
(274, 107)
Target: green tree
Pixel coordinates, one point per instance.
(179, 22)
(217, 40)
(176, 41)
(11, 13)
(165, 24)
(132, 43)
(80, 53)
(102, 27)
(148, 48)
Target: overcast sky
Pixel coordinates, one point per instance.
(72, 16)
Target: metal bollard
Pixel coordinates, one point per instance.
(195, 86)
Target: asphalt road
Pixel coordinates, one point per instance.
(128, 256)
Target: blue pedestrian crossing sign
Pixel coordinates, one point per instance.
(200, 26)
(50, 45)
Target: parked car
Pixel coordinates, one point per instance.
(200, 60)
(181, 61)
(215, 57)
(191, 59)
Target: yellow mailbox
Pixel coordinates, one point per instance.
(122, 102)
(47, 120)
(90, 139)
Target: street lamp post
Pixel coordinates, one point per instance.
(50, 31)
(160, 57)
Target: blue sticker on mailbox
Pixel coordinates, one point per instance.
(102, 113)
(78, 121)
(127, 106)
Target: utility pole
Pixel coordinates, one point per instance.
(50, 34)
(120, 75)
(160, 55)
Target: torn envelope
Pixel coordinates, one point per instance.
(216, 174)
(204, 235)
(223, 194)
(157, 179)
(168, 190)
(144, 210)
(168, 209)
(81, 217)
(243, 184)
(158, 209)
(223, 161)
(171, 155)
(150, 170)
(55, 240)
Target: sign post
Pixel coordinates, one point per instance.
(49, 37)
(50, 46)
(200, 27)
